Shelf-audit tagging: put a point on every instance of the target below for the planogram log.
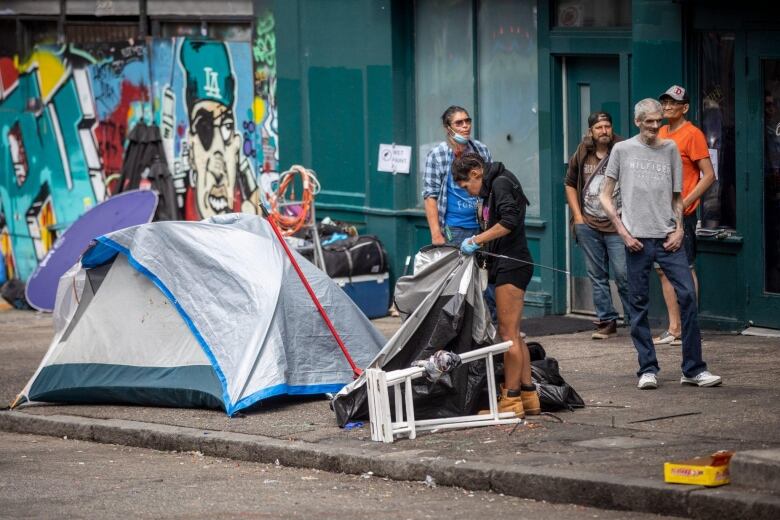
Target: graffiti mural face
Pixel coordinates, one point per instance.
(202, 108)
(214, 157)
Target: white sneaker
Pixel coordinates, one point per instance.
(667, 338)
(701, 379)
(647, 381)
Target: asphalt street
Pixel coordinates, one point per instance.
(48, 477)
(609, 454)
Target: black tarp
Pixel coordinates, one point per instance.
(145, 160)
(443, 309)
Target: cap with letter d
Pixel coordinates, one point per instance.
(675, 92)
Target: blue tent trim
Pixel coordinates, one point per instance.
(276, 390)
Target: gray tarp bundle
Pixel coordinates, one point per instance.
(443, 309)
(440, 302)
(206, 313)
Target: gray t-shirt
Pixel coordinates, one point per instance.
(648, 177)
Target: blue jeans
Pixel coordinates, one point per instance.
(602, 251)
(675, 267)
(456, 235)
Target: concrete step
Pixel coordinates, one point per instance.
(757, 469)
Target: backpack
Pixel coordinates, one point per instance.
(591, 205)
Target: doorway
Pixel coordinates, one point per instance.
(590, 83)
(763, 184)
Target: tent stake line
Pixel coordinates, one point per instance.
(355, 369)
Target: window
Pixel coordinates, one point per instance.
(38, 32)
(509, 89)
(100, 31)
(444, 68)
(8, 42)
(174, 29)
(771, 86)
(238, 31)
(493, 74)
(592, 13)
(718, 205)
(230, 32)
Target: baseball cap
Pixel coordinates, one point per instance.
(208, 72)
(675, 92)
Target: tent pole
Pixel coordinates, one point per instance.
(313, 296)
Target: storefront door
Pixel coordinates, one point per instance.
(762, 238)
(591, 83)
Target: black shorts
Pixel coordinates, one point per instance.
(520, 277)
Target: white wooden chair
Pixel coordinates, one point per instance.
(385, 426)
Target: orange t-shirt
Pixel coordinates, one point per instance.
(693, 147)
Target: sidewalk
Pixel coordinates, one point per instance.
(607, 455)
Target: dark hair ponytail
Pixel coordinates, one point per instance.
(462, 166)
(447, 115)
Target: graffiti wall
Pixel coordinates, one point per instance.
(263, 129)
(204, 111)
(66, 112)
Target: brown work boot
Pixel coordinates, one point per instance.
(511, 404)
(531, 402)
(508, 404)
(605, 330)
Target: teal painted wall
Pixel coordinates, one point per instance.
(346, 84)
(656, 46)
(345, 87)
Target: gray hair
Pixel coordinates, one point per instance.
(646, 106)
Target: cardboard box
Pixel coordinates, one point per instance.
(371, 293)
(703, 471)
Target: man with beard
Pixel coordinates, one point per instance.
(649, 172)
(221, 180)
(596, 235)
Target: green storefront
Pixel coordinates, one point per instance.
(356, 74)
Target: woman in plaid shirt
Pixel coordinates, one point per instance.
(450, 210)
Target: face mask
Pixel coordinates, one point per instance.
(457, 137)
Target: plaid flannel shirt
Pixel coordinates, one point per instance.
(438, 164)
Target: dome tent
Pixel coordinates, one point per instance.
(196, 314)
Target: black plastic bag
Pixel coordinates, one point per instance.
(554, 393)
(12, 291)
(536, 350)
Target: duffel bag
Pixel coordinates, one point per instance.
(355, 256)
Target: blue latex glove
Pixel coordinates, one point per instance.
(468, 246)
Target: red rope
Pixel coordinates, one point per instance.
(355, 369)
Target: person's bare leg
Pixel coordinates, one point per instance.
(521, 393)
(509, 308)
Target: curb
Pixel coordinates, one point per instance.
(571, 487)
(757, 468)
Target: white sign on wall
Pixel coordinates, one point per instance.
(394, 158)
